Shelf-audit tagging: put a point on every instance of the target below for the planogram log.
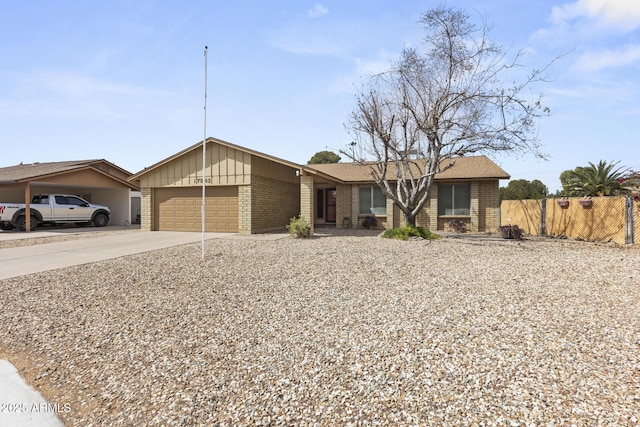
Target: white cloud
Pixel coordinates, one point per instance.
(598, 60)
(620, 15)
(317, 11)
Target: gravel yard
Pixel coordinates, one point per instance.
(336, 330)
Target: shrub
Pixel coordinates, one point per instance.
(458, 226)
(510, 232)
(369, 222)
(403, 233)
(298, 227)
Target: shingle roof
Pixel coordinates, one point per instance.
(28, 171)
(472, 167)
(34, 171)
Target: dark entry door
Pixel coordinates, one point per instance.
(331, 204)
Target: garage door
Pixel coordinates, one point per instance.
(178, 209)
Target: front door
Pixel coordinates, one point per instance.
(331, 204)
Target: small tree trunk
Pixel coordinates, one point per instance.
(410, 219)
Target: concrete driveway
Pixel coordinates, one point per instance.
(24, 260)
(62, 230)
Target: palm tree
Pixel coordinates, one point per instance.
(592, 180)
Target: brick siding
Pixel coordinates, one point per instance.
(273, 203)
(244, 209)
(489, 207)
(146, 209)
(307, 200)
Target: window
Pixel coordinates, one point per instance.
(40, 200)
(76, 201)
(70, 200)
(372, 201)
(454, 200)
(62, 200)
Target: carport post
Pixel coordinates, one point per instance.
(27, 205)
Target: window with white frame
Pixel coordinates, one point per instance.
(372, 201)
(454, 199)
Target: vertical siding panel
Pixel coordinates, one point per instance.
(240, 168)
(215, 162)
(209, 161)
(223, 165)
(195, 164)
(163, 176)
(171, 173)
(248, 168)
(184, 166)
(231, 167)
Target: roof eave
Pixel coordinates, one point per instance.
(321, 174)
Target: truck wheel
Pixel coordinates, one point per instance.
(21, 223)
(100, 220)
(6, 226)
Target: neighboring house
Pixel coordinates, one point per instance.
(251, 192)
(97, 181)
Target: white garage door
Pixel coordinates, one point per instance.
(178, 209)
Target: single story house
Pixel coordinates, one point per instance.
(97, 181)
(251, 192)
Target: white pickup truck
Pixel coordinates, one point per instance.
(53, 209)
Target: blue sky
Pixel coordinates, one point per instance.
(124, 80)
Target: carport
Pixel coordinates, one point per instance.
(97, 181)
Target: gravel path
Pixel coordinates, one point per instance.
(344, 330)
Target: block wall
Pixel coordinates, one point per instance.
(244, 209)
(273, 203)
(343, 205)
(306, 197)
(489, 205)
(146, 209)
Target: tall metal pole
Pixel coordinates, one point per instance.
(204, 150)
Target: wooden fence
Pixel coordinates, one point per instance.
(608, 219)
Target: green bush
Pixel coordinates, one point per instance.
(298, 227)
(403, 233)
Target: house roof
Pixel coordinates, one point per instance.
(230, 145)
(25, 172)
(472, 167)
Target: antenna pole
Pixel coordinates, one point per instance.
(204, 150)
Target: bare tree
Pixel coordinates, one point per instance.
(451, 100)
